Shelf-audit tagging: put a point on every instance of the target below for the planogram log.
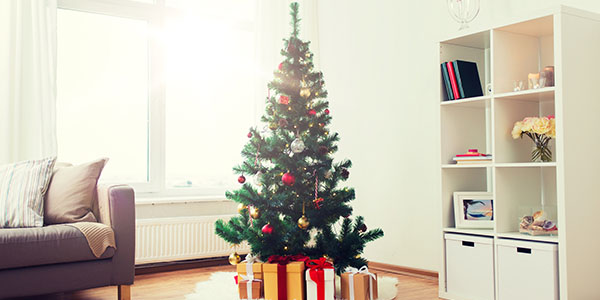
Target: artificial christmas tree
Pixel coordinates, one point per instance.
(294, 205)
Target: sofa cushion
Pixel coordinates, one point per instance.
(72, 193)
(22, 188)
(22, 247)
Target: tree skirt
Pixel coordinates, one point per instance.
(221, 286)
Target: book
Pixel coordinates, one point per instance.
(458, 80)
(473, 162)
(446, 81)
(469, 78)
(472, 158)
(453, 80)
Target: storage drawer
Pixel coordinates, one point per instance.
(527, 270)
(470, 266)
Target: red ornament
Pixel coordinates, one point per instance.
(323, 150)
(267, 229)
(345, 173)
(288, 179)
(280, 67)
(362, 228)
(312, 112)
(327, 111)
(284, 100)
(249, 134)
(318, 202)
(241, 179)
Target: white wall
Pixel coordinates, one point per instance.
(379, 60)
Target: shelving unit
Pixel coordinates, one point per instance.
(562, 37)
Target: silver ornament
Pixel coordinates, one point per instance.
(297, 145)
(258, 178)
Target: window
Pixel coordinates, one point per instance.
(165, 90)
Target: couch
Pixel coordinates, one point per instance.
(57, 258)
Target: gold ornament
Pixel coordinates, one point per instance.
(272, 126)
(241, 207)
(357, 256)
(254, 212)
(285, 248)
(316, 93)
(305, 92)
(234, 258)
(303, 222)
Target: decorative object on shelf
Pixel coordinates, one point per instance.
(537, 224)
(473, 210)
(472, 157)
(463, 11)
(540, 131)
(549, 75)
(517, 85)
(533, 80)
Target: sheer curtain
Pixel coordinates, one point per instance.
(272, 25)
(27, 79)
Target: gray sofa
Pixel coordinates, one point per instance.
(57, 258)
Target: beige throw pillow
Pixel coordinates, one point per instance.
(72, 193)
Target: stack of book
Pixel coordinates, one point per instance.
(461, 79)
(472, 157)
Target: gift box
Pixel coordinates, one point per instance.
(359, 284)
(251, 270)
(320, 280)
(249, 289)
(284, 278)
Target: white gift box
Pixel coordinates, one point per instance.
(311, 286)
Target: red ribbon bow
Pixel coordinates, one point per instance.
(282, 261)
(317, 274)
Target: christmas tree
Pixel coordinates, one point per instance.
(295, 205)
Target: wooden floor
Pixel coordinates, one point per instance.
(177, 284)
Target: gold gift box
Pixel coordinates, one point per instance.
(257, 268)
(243, 288)
(295, 281)
(361, 286)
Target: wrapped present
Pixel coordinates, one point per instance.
(251, 266)
(249, 288)
(320, 280)
(284, 277)
(359, 284)
(251, 269)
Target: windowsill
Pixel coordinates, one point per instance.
(165, 198)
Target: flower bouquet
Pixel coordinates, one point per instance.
(540, 131)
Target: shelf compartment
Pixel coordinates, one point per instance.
(526, 165)
(520, 191)
(464, 128)
(474, 48)
(460, 180)
(510, 109)
(525, 237)
(471, 231)
(535, 41)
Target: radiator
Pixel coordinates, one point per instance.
(181, 238)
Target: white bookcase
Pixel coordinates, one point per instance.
(569, 40)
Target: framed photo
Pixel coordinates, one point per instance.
(474, 210)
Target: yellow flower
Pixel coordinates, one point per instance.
(516, 132)
(527, 124)
(552, 132)
(541, 125)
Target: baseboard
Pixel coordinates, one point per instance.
(181, 265)
(403, 270)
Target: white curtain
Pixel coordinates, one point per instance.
(27, 79)
(273, 24)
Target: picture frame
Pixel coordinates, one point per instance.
(474, 210)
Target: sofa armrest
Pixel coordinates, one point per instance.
(116, 204)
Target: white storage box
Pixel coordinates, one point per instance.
(470, 266)
(527, 270)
